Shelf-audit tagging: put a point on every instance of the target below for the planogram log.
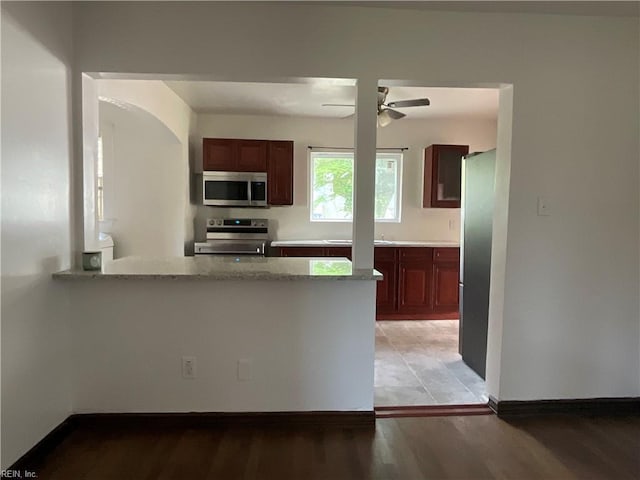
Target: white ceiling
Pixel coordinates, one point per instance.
(305, 100)
(627, 8)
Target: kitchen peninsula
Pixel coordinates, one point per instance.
(259, 340)
(421, 278)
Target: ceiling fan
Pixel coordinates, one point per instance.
(386, 114)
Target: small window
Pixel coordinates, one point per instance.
(332, 186)
(100, 181)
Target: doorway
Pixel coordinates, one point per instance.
(419, 360)
(417, 363)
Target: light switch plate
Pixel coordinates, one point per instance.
(543, 207)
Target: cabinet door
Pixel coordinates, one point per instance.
(386, 289)
(218, 154)
(280, 173)
(415, 280)
(337, 252)
(445, 281)
(442, 174)
(252, 155)
(301, 251)
(414, 292)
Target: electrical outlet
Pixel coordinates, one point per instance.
(189, 367)
(244, 369)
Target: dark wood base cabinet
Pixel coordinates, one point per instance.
(387, 288)
(419, 283)
(314, 252)
(426, 284)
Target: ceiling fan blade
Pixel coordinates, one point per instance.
(394, 114)
(337, 105)
(418, 102)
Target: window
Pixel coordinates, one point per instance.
(100, 182)
(332, 186)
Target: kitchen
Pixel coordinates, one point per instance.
(564, 304)
(471, 121)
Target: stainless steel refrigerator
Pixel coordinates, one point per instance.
(478, 181)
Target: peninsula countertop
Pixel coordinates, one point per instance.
(377, 243)
(225, 268)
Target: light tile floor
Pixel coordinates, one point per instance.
(417, 363)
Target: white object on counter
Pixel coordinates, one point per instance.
(105, 242)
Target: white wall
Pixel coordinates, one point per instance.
(311, 345)
(293, 222)
(570, 318)
(144, 189)
(163, 105)
(36, 223)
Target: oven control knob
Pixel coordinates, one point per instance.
(219, 222)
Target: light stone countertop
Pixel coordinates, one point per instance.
(210, 267)
(377, 243)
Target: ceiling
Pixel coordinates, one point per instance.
(305, 100)
(599, 8)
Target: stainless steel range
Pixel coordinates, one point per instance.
(235, 236)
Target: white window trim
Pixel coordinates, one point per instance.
(310, 177)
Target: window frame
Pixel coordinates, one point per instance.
(398, 153)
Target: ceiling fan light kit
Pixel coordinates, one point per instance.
(384, 118)
(387, 115)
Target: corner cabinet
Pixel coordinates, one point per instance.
(420, 283)
(244, 155)
(442, 175)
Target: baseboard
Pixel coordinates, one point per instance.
(200, 419)
(584, 406)
(433, 411)
(417, 316)
(37, 454)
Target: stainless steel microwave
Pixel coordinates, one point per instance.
(234, 189)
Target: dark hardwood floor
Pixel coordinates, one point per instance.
(468, 447)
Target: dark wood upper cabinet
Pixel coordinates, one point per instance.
(280, 173)
(252, 156)
(219, 154)
(270, 156)
(232, 155)
(442, 175)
